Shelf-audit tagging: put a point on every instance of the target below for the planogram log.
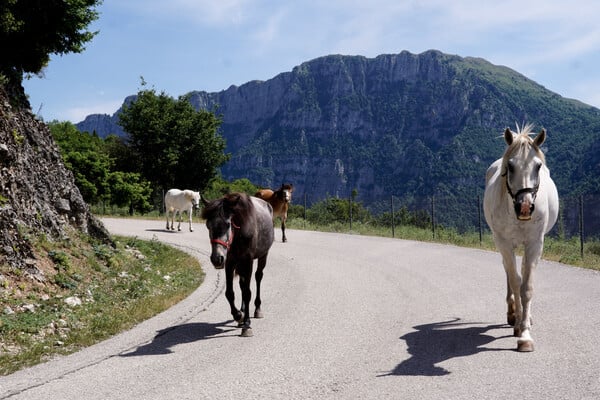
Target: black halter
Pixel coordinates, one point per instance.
(532, 190)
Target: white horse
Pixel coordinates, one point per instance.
(521, 206)
(177, 201)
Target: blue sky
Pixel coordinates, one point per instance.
(184, 45)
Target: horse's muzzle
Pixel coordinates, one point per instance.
(217, 260)
(524, 209)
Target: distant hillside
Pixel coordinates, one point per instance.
(401, 124)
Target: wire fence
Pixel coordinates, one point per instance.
(578, 216)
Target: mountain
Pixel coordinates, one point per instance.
(409, 125)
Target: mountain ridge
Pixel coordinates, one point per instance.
(409, 125)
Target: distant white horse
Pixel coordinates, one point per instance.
(177, 201)
(521, 206)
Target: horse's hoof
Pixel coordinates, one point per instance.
(258, 314)
(247, 332)
(525, 346)
(240, 320)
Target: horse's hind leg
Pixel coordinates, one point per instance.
(262, 262)
(172, 218)
(179, 220)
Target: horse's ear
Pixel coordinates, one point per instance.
(204, 201)
(508, 136)
(540, 138)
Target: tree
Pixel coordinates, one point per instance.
(83, 154)
(90, 159)
(175, 145)
(218, 187)
(34, 29)
(333, 209)
(128, 189)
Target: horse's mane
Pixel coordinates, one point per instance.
(521, 144)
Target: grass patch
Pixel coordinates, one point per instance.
(86, 293)
(566, 251)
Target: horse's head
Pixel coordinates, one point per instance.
(219, 215)
(522, 162)
(285, 192)
(195, 199)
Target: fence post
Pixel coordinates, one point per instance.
(581, 235)
(479, 218)
(304, 210)
(393, 218)
(350, 211)
(433, 216)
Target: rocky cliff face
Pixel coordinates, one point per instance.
(411, 125)
(37, 193)
(401, 124)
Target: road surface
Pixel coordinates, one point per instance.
(346, 317)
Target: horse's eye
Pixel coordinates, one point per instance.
(511, 167)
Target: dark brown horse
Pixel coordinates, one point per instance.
(240, 229)
(280, 201)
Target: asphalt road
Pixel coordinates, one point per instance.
(346, 317)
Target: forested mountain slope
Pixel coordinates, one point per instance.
(409, 125)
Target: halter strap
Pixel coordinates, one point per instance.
(532, 190)
(229, 241)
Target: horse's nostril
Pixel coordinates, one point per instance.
(217, 260)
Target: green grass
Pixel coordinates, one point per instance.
(555, 249)
(118, 287)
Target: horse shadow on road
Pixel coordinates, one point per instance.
(434, 343)
(170, 337)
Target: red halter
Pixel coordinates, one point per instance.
(229, 241)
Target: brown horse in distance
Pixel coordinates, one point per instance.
(280, 201)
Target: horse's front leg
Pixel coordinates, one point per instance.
(283, 238)
(513, 285)
(229, 294)
(511, 317)
(532, 254)
(262, 262)
(245, 273)
(190, 212)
